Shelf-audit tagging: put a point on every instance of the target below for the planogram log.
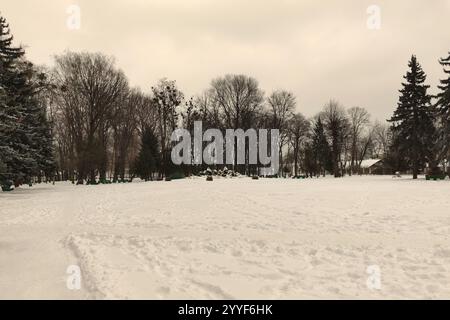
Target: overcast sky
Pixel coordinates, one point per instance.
(316, 49)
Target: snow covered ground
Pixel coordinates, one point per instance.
(231, 238)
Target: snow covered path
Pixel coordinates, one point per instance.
(232, 238)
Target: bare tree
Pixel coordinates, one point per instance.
(298, 129)
(125, 128)
(166, 98)
(281, 107)
(238, 98)
(146, 112)
(239, 102)
(382, 139)
(88, 86)
(359, 119)
(336, 123)
(209, 110)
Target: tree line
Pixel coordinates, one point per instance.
(80, 120)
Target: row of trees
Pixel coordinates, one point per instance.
(101, 123)
(80, 120)
(104, 126)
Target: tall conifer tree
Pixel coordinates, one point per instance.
(321, 147)
(443, 109)
(412, 120)
(24, 130)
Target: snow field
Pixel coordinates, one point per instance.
(228, 239)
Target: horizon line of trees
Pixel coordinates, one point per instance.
(80, 120)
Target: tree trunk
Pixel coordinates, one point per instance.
(415, 169)
(92, 176)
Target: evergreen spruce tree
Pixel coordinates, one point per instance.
(413, 120)
(11, 114)
(443, 110)
(148, 158)
(321, 148)
(24, 132)
(311, 165)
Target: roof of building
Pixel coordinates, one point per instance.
(365, 164)
(369, 163)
